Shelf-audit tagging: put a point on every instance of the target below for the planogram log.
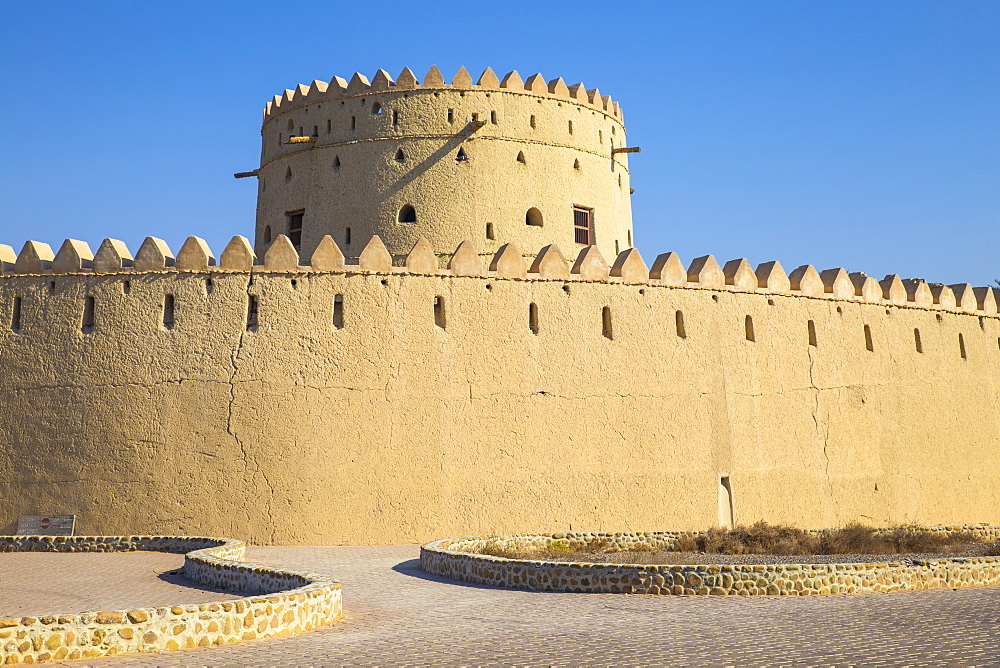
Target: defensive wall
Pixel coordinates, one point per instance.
(345, 158)
(330, 402)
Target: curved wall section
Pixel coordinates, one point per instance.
(366, 152)
(387, 407)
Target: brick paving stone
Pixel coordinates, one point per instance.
(398, 615)
(43, 583)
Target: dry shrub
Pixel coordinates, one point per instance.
(857, 538)
(761, 538)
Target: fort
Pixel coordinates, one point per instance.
(442, 328)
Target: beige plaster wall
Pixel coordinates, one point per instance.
(394, 430)
(454, 200)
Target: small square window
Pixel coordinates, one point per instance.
(583, 225)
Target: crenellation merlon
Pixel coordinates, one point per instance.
(359, 85)
(549, 263)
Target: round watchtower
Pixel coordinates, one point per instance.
(496, 161)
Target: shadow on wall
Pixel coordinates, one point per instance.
(450, 146)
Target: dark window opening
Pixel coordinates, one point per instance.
(493, 117)
(748, 329)
(338, 312)
(811, 326)
(336, 163)
(400, 156)
(520, 158)
(267, 234)
(533, 217)
(126, 286)
(531, 121)
(451, 115)
(869, 343)
(252, 308)
(576, 164)
(295, 228)
(407, 214)
(489, 231)
(606, 323)
(571, 127)
(439, 315)
(329, 126)
(679, 323)
(354, 122)
(961, 346)
(347, 236)
(461, 156)
(395, 117)
(89, 308)
(376, 108)
(15, 315)
(583, 226)
(533, 317)
(168, 311)
(315, 131)
(916, 340)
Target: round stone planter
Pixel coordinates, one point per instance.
(459, 559)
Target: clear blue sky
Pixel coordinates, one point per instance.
(855, 134)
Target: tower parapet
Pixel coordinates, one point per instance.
(528, 161)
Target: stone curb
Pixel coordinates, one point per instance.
(455, 558)
(280, 602)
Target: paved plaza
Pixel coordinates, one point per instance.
(398, 615)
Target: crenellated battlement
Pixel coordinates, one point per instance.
(549, 263)
(359, 85)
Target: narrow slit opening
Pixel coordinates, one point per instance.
(748, 329)
(606, 323)
(812, 333)
(15, 315)
(916, 340)
(439, 315)
(961, 346)
(252, 308)
(679, 323)
(489, 231)
(869, 344)
(168, 311)
(533, 317)
(338, 312)
(89, 308)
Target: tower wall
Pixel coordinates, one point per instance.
(347, 176)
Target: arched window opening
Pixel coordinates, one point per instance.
(520, 158)
(461, 156)
(679, 323)
(267, 234)
(606, 323)
(748, 329)
(533, 217)
(288, 174)
(533, 317)
(407, 214)
(376, 108)
(869, 343)
(336, 163)
(400, 156)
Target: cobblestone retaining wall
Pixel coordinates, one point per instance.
(457, 558)
(282, 602)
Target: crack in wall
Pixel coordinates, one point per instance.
(820, 430)
(234, 356)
